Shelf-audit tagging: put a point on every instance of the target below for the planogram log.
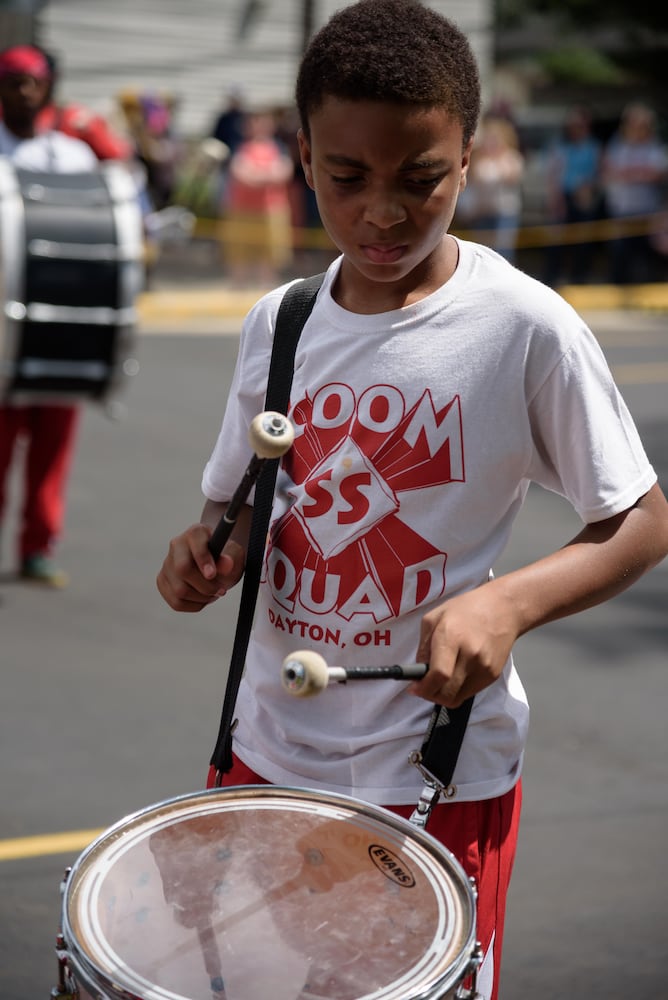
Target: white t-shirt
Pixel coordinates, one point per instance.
(418, 432)
(48, 152)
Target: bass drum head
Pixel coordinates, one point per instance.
(252, 892)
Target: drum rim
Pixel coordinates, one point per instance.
(95, 978)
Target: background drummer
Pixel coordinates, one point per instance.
(49, 429)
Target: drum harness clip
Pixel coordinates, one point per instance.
(437, 757)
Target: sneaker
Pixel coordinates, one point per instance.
(41, 569)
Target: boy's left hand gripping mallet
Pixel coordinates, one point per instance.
(270, 435)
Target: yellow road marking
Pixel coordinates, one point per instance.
(218, 303)
(47, 843)
(617, 297)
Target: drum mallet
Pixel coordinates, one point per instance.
(305, 673)
(270, 435)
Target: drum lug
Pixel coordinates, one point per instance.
(64, 879)
(66, 988)
(471, 992)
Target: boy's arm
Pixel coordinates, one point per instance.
(190, 578)
(467, 640)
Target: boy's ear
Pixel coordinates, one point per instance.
(466, 161)
(305, 157)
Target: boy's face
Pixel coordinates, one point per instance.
(386, 178)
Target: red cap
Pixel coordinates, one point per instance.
(24, 60)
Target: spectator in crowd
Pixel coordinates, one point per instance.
(492, 201)
(257, 221)
(149, 119)
(229, 127)
(306, 223)
(49, 429)
(573, 196)
(635, 172)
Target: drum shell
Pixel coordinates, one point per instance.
(71, 269)
(191, 824)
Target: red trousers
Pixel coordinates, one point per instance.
(483, 837)
(50, 433)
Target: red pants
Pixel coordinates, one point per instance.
(483, 837)
(50, 431)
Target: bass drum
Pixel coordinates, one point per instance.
(71, 267)
(245, 893)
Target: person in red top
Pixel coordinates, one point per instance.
(257, 223)
(26, 83)
(80, 122)
(72, 118)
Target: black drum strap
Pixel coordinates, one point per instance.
(443, 741)
(437, 758)
(294, 310)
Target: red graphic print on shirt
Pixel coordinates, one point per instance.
(343, 547)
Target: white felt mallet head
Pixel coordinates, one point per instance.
(270, 434)
(304, 673)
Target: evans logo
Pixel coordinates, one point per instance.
(391, 866)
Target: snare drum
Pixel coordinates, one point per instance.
(251, 892)
(71, 267)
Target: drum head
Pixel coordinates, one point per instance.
(252, 892)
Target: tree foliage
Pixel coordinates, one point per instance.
(638, 17)
(596, 42)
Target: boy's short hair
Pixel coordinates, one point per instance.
(391, 50)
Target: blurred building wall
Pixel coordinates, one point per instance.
(199, 50)
(17, 21)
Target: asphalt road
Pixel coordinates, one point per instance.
(110, 702)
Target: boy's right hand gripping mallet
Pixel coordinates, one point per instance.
(270, 435)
